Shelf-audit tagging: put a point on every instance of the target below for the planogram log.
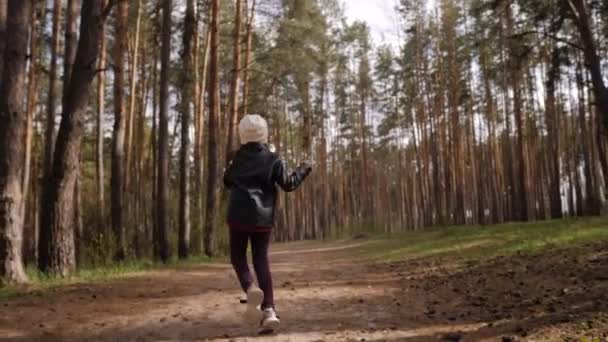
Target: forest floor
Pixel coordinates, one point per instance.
(463, 285)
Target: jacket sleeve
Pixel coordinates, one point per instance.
(289, 181)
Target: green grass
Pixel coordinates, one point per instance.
(41, 282)
(489, 241)
(462, 241)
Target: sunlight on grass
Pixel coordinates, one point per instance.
(488, 241)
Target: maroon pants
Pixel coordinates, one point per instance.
(238, 256)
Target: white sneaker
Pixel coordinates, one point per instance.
(255, 296)
(270, 321)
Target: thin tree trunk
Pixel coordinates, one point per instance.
(141, 219)
(44, 244)
(31, 243)
(32, 90)
(101, 105)
(13, 129)
(3, 9)
(214, 104)
(187, 84)
(521, 208)
(234, 87)
(592, 59)
(162, 244)
(552, 122)
(118, 139)
(154, 154)
(248, 50)
(592, 204)
(198, 144)
(70, 41)
(132, 105)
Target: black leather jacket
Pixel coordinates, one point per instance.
(252, 179)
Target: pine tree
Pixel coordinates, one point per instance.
(161, 238)
(13, 124)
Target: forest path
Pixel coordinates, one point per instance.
(330, 292)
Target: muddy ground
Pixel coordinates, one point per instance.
(327, 292)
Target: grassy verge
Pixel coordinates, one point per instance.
(462, 241)
(489, 241)
(41, 282)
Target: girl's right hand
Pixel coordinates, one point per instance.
(306, 167)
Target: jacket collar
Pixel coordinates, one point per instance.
(254, 145)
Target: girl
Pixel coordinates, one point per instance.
(252, 179)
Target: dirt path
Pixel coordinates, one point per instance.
(325, 294)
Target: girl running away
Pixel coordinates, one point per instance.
(252, 178)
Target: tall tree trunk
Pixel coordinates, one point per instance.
(600, 141)
(70, 41)
(592, 60)
(212, 145)
(3, 9)
(248, 49)
(198, 143)
(141, 219)
(129, 151)
(118, 139)
(32, 91)
(363, 89)
(101, 107)
(521, 209)
(162, 201)
(12, 129)
(234, 86)
(44, 244)
(592, 203)
(58, 211)
(154, 152)
(456, 130)
(553, 136)
(187, 84)
(78, 217)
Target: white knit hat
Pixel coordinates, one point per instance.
(253, 128)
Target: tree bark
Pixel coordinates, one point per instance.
(591, 206)
(248, 48)
(70, 41)
(188, 85)
(214, 104)
(49, 142)
(101, 107)
(3, 9)
(198, 144)
(129, 151)
(592, 59)
(162, 243)
(12, 129)
(553, 136)
(234, 87)
(32, 91)
(58, 211)
(30, 245)
(521, 208)
(118, 139)
(364, 84)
